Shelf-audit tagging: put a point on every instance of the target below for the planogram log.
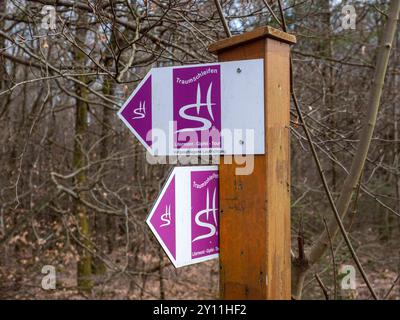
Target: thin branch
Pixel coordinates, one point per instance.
(284, 27)
(272, 13)
(223, 20)
(323, 287)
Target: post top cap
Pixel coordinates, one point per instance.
(262, 32)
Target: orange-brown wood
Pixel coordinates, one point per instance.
(259, 33)
(255, 209)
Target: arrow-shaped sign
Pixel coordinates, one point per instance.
(199, 109)
(185, 216)
(136, 116)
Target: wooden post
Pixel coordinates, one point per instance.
(255, 209)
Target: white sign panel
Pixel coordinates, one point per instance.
(215, 108)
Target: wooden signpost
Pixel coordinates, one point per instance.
(248, 89)
(255, 209)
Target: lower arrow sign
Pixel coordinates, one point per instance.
(185, 216)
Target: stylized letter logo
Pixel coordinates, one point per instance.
(166, 217)
(206, 123)
(212, 227)
(140, 112)
(197, 107)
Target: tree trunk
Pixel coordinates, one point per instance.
(396, 137)
(84, 267)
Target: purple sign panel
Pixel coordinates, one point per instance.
(205, 213)
(163, 219)
(138, 111)
(197, 107)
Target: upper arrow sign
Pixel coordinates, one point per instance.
(137, 112)
(199, 109)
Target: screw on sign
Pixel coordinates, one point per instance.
(185, 216)
(199, 109)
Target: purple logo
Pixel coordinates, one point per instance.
(163, 219)
(138, 111)
(205, 213)
(197, 107)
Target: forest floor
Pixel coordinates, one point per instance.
(22, 279)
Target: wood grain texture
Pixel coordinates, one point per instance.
(277, 97)
(256, 34)
(255, 209)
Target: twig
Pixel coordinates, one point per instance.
(284, 27)
(333, 260)
(223, 20)
(321, 284)
(272, 13)
(386, 296)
